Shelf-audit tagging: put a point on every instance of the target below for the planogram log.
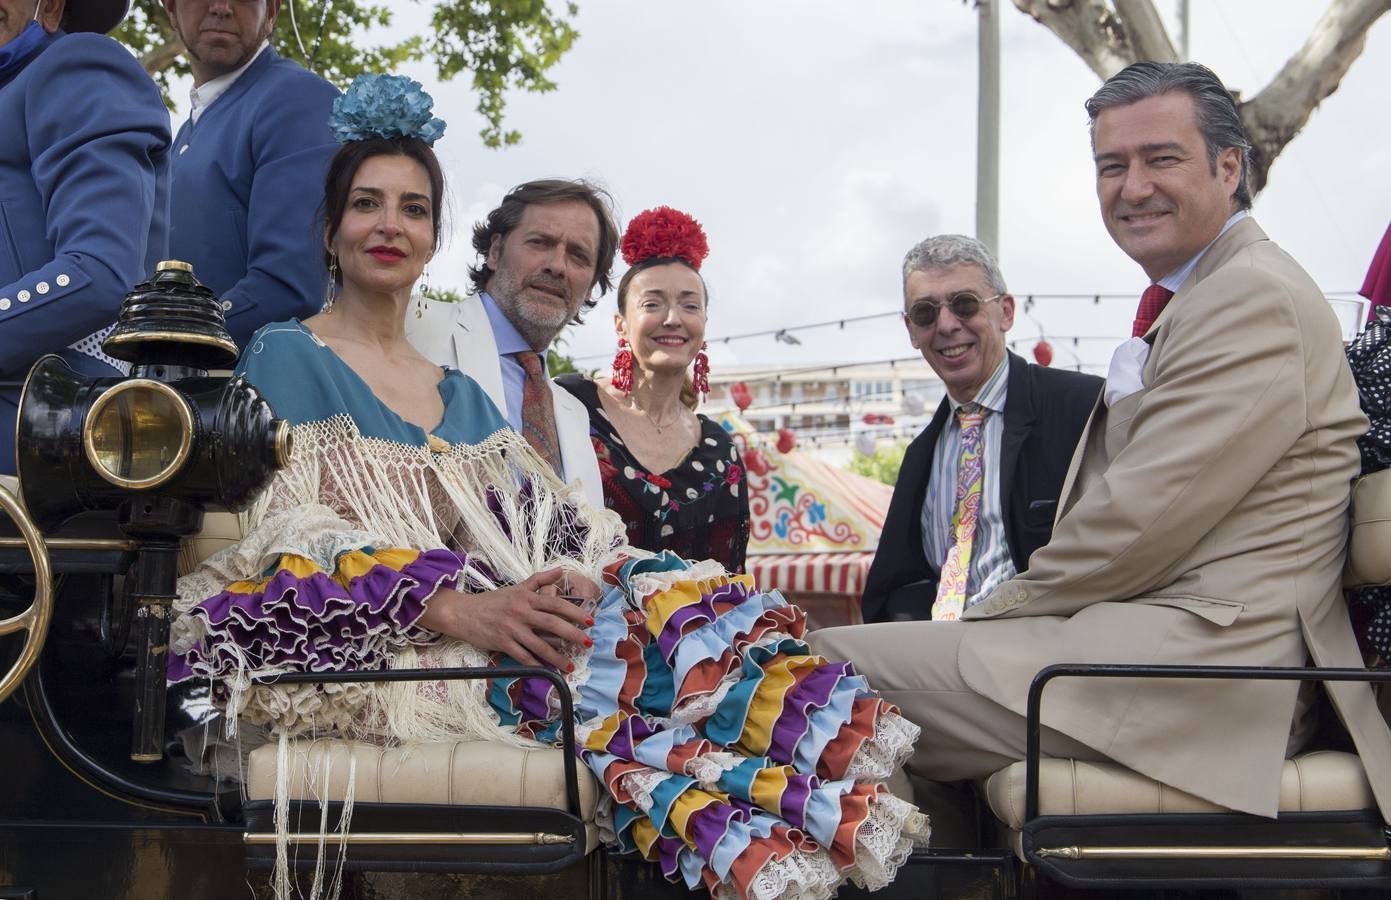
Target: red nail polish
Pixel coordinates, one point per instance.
(570, 667)
(589, 622)
(588, 642)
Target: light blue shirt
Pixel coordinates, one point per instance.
(1175, 279)
(509, 341)
(990, 560)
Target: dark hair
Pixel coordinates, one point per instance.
(342, 169)
(1213, 105)
(508, 216)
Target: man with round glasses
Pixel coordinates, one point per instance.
(978, 488)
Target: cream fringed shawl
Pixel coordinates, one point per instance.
(494, 503)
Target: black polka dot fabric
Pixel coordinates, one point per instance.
(1370, 358)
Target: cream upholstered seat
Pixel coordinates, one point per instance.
(1322, 781)
(1369, 542)
(10, 483)
(458, 773)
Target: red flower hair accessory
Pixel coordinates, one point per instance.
(664, 233)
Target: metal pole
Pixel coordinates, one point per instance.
(988, 128)
(1183, 30)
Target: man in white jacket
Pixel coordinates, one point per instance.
(544, 250)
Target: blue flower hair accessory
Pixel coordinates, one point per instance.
(387, 106)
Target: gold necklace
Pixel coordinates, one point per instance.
(660, 426)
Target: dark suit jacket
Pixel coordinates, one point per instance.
(1045, 412)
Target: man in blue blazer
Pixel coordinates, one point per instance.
(83, 160)
(248, 169)
(957, 311)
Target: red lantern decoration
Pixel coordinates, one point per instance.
(739, 392)
(787, 440)
(1043, 353)
(755, 462)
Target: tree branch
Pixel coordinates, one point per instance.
(1274, 116)
(1090, 27)
(1146, 31)
(161, 57)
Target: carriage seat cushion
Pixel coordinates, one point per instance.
(1321, 781)
(463, 773)
(1369, 544)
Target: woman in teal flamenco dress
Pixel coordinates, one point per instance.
(410, 523)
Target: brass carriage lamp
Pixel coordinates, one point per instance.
(159, 447)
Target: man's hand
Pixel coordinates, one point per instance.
(518, 619)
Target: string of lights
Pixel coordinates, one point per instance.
(785, 334)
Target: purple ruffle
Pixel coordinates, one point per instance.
(314, 624)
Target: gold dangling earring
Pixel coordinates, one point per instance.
(331, 293)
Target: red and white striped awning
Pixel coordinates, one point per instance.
(818, 573)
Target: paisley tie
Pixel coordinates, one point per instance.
(970, 475)
(538, 411)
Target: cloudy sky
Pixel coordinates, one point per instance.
(818, 140)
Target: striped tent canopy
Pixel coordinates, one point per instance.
(814, 526)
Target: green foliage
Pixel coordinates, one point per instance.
(506, 44)
(882, 465)
(558, 362)
(442, 295)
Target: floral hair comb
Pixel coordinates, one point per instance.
(385, 106)
(665, 233)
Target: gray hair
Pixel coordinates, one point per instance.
(1215, 108)
(946, 250)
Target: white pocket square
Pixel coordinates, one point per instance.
(1127, 366)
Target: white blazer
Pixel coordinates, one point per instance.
(460, 336)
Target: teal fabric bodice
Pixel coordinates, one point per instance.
(305, 381)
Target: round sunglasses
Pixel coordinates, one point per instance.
(963, 305)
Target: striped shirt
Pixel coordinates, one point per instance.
(990, 559)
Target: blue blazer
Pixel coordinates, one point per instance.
(83, 163)
(247, 180)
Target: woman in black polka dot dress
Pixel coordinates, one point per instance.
(674, 476)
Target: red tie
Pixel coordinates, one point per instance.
(1152, 303)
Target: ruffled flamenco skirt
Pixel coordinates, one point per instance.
(732, 757)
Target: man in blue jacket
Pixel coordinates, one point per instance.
(84, 153)
(248, 169)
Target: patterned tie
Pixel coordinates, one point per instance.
(1152, 303)
(538, 413)
(970, 475)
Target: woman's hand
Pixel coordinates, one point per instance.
(517, 620)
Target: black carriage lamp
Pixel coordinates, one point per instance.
(159, 447)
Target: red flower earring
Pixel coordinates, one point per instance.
(623, 368)
(701, 379)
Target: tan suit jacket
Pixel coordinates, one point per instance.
(460, 336)
(1203, 521)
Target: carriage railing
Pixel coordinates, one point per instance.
(1033, 724)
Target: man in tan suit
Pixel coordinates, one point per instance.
(1204, 516)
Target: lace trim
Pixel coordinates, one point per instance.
(640, 783)
(708, 768)
(883, 843)
(882, 755)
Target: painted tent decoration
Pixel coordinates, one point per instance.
(814, 526)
